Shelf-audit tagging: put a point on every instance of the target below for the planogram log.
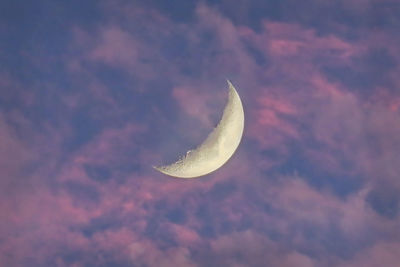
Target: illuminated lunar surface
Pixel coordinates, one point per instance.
(219, 146)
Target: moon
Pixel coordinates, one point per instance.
(218, 147)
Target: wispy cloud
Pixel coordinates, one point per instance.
(313, 183)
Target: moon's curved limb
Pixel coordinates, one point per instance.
(219, 146)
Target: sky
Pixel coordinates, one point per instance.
(95, 93)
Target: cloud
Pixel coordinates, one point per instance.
(249, 248)
(116, 47)
(314, 182)
(381, 253)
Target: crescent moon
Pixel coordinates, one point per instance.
(219, 146)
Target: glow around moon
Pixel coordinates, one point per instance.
(219, 146)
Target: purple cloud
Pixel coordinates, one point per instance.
(313, 183)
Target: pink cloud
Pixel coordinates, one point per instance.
(184, 235)
(15, 153)
(287, 100)
(284, 40)
(146, 253)
(269, 114)
(380, 254)
(194, 103)
(116, 47)
(249, 248)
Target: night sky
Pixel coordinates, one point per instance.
(95, 93)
